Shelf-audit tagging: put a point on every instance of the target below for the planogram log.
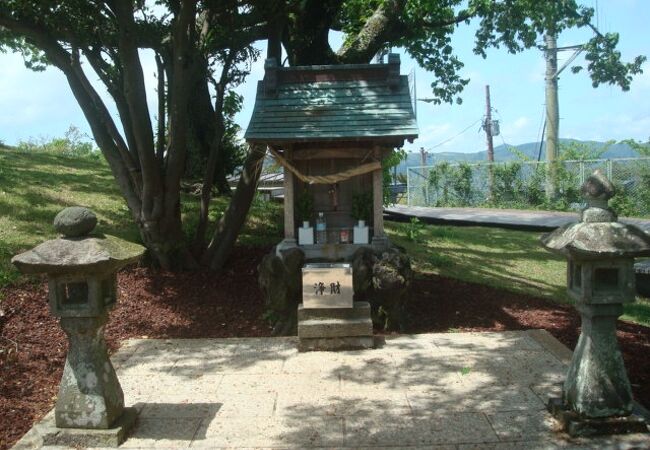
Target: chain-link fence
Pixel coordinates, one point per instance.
(524, 184)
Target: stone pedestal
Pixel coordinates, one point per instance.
(597, 384)
(578, 426)
(335, 328)
(597, 397)
(86, 437)
(90, 395)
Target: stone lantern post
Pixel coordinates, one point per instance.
(600, 252)
(81, 269)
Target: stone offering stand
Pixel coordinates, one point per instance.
(596, 396)
(81, 267)
(330, 127)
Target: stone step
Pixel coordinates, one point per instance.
(360, 310)
(335, 344)
(332, 328)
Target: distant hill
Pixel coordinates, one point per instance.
(503, 153)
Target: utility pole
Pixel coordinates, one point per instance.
(487, 126)
(423, 162)
(423, 156)
(552, 114)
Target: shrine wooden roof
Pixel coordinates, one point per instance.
(354, 102)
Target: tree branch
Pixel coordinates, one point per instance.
(214, 154)
(386, 26)
(103, 70)
(160, 140)
(375, 33)
(183, 65)
(136, 100)
(232, 220)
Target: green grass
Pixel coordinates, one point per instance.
(505, 259)
(36, 185)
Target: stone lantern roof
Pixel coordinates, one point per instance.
(78, 251)
(598, 234)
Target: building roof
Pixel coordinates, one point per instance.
(350, 102)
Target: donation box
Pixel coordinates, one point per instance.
(327, 285)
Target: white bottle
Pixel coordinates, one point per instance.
(321, 229)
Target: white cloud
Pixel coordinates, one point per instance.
(520, 123)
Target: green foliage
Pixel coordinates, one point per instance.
(514, 25)
(75, 144)
(362, 206)
(642, 148)
(513, 190)
(233, 148)
(413, 228)
(392, 160)
(305, 205)
(264, 224)
(604, 62)
(567, 181)
(581, 151)
(521, 184)
(452, 184)
(634, 194)
(622, 203)
(270, 316)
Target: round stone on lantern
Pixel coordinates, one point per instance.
(600, 252)
(81, 267)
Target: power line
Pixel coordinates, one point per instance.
(540, 133)
(455, 136)
(503, 139)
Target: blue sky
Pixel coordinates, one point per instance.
(40, 105)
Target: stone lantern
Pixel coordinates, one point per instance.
(81, 269)
(600, 252)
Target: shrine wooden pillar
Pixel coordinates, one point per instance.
(289, 218)
(378, 198)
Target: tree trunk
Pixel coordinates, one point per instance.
(209, 130)
(307, 37)
(231, 222)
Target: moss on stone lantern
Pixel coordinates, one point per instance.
(600, 252)
(81, 269)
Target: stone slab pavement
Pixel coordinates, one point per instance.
(506, 218)
(428, 391)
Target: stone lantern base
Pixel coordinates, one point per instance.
(81, 438)
(577, 426)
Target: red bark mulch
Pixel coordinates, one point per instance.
(159, 304)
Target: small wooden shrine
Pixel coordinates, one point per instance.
(330, 127)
